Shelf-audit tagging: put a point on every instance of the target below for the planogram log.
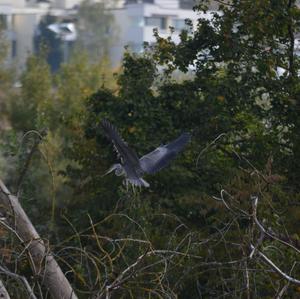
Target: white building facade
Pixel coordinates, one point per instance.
(134, 22)
(20, 19)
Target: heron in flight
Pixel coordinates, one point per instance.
(133, 167)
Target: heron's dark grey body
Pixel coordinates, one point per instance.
(134, 168)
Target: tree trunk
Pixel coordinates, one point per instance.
(42, 261)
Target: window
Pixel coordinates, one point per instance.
(137, 48)
(179, 24)
(13, 48)
(137, 1)
(187, 4)
(158, 22)
(137, 21)
(3, 21)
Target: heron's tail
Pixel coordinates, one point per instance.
(137, 182)
(145, 184)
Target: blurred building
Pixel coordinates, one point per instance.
(20, 19)
(136, 20)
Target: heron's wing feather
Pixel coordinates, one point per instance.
(126, 154)
(163, 155)
(156, 160)
(178, 144)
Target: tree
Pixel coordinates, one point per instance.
(45, 118)
(96, 30)
(36, 90)
(6, 79)
(240, 71)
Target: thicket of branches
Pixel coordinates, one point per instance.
(221, 222)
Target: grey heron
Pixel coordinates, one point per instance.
(133, 167)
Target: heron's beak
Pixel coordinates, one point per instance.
(112, 168)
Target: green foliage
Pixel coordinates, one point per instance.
(6, 79)
(77, 80)
(48, 105)
(235, 61)
(35, 91)
(96, 28)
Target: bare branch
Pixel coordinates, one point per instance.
(277, 269)
(282, 291)
(22, 278)
(208, 146)
(264, 231)
(3, 292)
(29, 157)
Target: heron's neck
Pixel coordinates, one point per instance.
(119, 170)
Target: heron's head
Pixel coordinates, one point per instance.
(118, 168)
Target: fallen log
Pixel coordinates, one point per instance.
(43, 263)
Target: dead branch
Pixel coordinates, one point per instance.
(277, 269)
(44, 265)
(120, 279)
(3, 292)
(264, 257)
(208, 146)
(264, 231)
(23, 280)
(29, 157)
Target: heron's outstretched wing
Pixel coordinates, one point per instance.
(127, 155)
(163, 155)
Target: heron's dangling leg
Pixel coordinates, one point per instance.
(133, 188)
(125, 184)
(137, 188)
